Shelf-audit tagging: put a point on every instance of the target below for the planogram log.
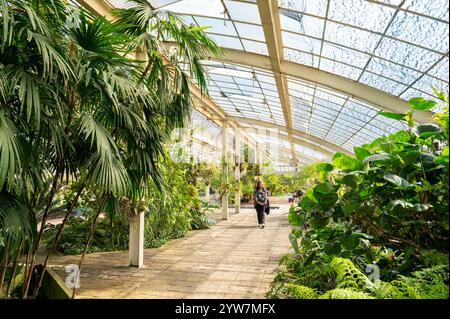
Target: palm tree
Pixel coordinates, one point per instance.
(75, 107)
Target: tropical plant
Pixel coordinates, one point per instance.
(75, 106)
(386, 206)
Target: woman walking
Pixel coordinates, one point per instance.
(260, 202)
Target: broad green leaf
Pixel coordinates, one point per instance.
(307, 243)
(308, 204)
(400, 136)
(294, 242)
(350, 207)
(296, 218)
(350, 180)
(374, 145)
(361, 153)
(397, 180)
(326, 196)
(325, 167)
(427, 130)
(332, 249)
(377, 158)
(441, 95)
(319, 223)
(324, 188)
(443, 158)
(350, 242)
(345, 162)
(400, 202)
(327, 201)
(392, 115)
(409, 157)
(310, 259)
(419, 103)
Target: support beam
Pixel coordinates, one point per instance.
(136, 241)
(307, 136)
(237, 169)
(383, 100)
(270, 18)
(344, 85)
(206, 106)
(224, 170)
(99, 7)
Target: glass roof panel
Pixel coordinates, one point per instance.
(208, 8)
(340, 69)
(441, 70)
(227, 42)
(241, 92)
(302, 43)
(434, 8)
(255, 47)
(317, 7)
(421, 31)
(377, 43)
(250, 31)
(242, 11)
(335, 117)
(301, 57)
(406, 54)
(397, 46)
(392, 71)
(218, 26)
(300, 23)
(361, 13)
(341, 54)
(382, 83)
(351, 37)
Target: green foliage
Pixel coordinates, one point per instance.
(76, 107)
(350, 277)
(430, 283)
(387, 206)
(291, 291)
(340, 293)
(345, 281)
(168, 215)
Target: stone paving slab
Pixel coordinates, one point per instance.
(233, 259)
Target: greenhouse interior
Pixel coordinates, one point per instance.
(224, 149)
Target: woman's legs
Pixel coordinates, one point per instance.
(261, 215)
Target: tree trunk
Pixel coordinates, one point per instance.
(91, 234)
(41, 231)
(57, 237)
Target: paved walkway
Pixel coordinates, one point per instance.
(233, 259)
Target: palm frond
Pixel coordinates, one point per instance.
(10, 161)
(107, 170)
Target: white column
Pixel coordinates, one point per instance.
(207, 192)
(237, 168)
(136, 241)
(136, 238)
(225, 169)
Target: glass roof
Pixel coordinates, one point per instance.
(335, 117)
(244, 91)
(397, 46)
(402, 50)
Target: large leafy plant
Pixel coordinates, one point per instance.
(391, 196)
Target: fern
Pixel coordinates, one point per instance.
(341, 293)
(350, 277)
